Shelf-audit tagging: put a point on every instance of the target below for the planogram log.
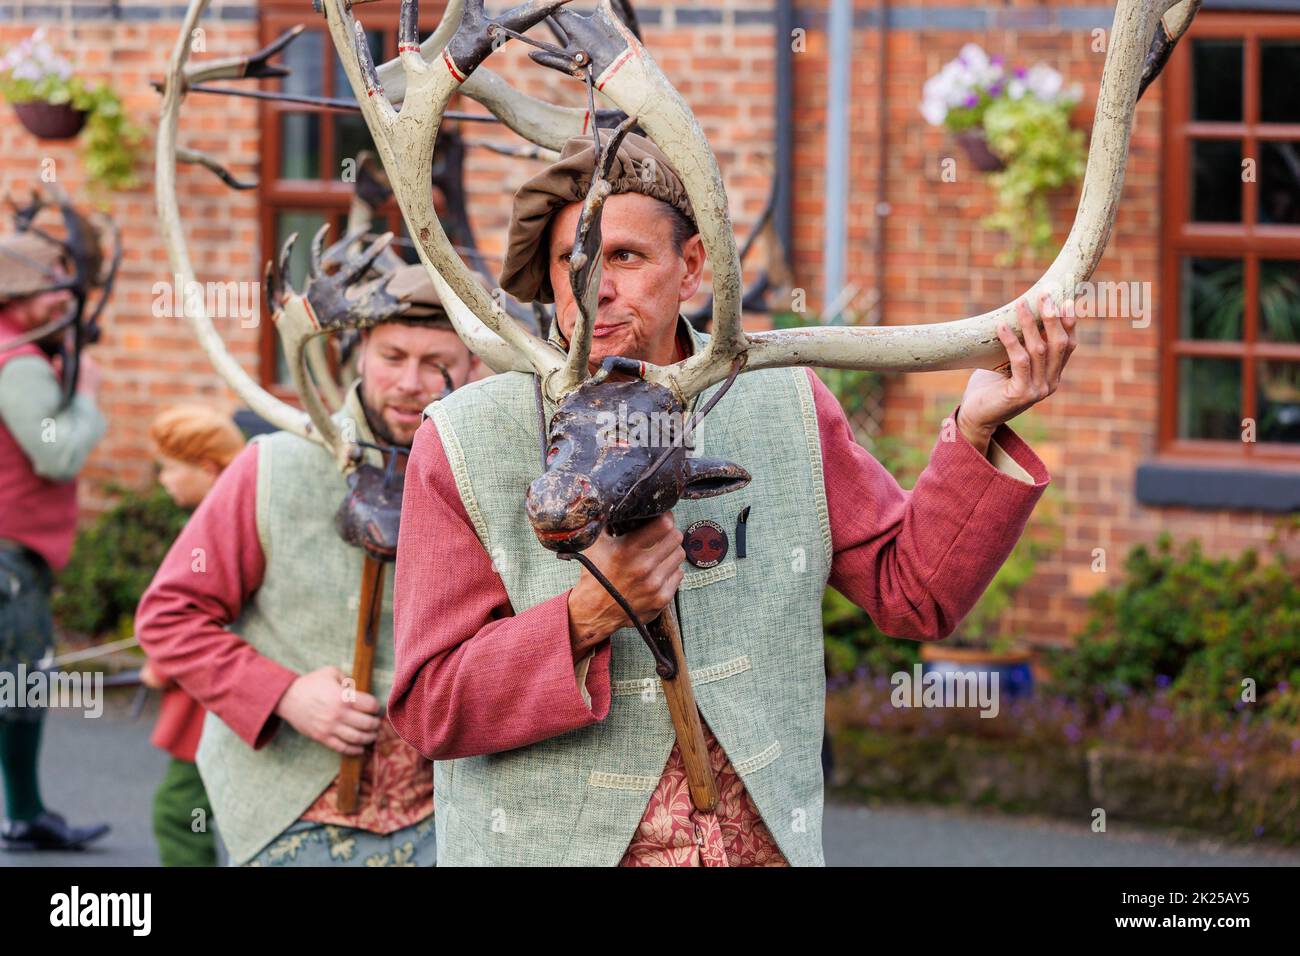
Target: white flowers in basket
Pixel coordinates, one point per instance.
(957, 95)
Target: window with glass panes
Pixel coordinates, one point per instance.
(304, 147)
(1231, 245)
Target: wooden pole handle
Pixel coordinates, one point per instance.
(686, 716)
(363, 666)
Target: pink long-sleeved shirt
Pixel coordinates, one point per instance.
(182, 623)
(472, 677)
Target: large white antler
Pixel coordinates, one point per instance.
(1142, 36)
(535, 120)
(179, 79)
(300, 318)
(1134, 58)
(405, 141)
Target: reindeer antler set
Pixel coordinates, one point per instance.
(602, 48)
(81, 246)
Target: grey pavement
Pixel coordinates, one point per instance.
(912, 835)
(105, 769)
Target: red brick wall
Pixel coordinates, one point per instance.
(939, 265)
(150, 362)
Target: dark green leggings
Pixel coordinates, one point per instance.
(185, 837)
(26, 634)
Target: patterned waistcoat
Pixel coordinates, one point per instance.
(304, 616)
(751, 627)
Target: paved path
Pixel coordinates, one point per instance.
(105, 769)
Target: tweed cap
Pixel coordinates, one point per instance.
(640, 167)
(27, 265)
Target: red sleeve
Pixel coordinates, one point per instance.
(212, 569)
(472, 677)
(917, 561)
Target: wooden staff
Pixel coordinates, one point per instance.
(685, 714)
(363, 666)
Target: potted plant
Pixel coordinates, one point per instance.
(53, 103)
(1016, 126)
(980, 643)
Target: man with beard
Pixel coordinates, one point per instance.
(254, 610)
(43, 444)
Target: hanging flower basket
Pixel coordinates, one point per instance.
(54, 103)
(1014, 123)
(976, 144)
(51, 120)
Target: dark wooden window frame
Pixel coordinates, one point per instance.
(327, 194)
(1247, 240)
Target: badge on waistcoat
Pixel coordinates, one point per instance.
(705, 543)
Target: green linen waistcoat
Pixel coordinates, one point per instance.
(304, 616)
(751, 626)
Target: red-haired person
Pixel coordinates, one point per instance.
(192, 446)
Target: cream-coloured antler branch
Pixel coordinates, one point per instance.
(267, 406)
(973, 342)
(635, 84)
(405, 141)
(535, 120)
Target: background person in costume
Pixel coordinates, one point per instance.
(193, 445)
(43, 444)
(519, 674)
(253, 613)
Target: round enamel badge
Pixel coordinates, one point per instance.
(705, 543)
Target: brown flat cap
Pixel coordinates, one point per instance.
(28, 265)
(412, 284)
(640, 167)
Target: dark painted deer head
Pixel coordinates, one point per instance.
(617, 454)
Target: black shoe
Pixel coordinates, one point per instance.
(49, 831)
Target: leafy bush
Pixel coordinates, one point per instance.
(1199, 626)
(855, 647)
(114, 560)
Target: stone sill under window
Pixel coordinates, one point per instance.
(1220, 487)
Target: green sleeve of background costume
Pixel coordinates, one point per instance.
(55, 440)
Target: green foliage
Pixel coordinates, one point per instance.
(1042, 153)
(114, 560)
(855, 646)
(33, 73)
(962, 118)
(1198, 625)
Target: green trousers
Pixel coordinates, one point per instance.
(182, 818)
(26, 634)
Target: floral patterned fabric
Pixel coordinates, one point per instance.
(674, 833)
(321, 844)
(396, 789)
